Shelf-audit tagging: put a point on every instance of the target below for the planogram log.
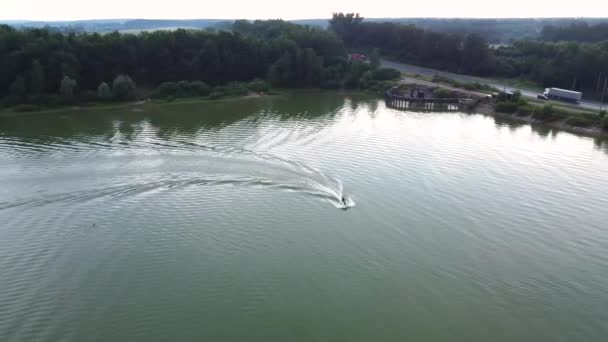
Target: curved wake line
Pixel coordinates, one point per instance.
(216, 165)
(141, 188)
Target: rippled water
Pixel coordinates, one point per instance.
(222, 222)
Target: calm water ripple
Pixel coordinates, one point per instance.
(211, 222)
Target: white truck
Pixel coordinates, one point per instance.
(561, 94)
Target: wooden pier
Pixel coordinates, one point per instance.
(397, 101)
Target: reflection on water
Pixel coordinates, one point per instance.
(211, 222)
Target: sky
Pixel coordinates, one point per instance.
(293, 9)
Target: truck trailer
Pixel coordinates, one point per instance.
(562, 95)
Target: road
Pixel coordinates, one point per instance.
(412, 69)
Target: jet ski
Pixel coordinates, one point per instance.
(344, 203)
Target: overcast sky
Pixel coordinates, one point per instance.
(294, 9)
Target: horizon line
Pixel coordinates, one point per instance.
(328, 18)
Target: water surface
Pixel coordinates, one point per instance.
(222, 222)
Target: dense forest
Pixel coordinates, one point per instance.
(38, 65)
(579, 32)
(122, 25)
(571, 65)
(408, 43)
(495, 31)
(44, 66)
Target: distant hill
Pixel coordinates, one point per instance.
(103, 25)
(312, 22)
(495, 31)
(580, 32)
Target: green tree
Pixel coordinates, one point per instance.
(17, 89)
(475, 54)
(67, 88)
(604, 123)
(282, 70)
(37, 79)
(123, 88)
(346, 25)
(217, 58)
(259, 86)
(313, 67)
(104, 92)
(166, 89)
(374, 58)
(355, 75)
(209, 61)
(200, 88)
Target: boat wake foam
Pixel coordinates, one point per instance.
(202, 166)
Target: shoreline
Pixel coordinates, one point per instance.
(482, 107)
(486, 107)
(593, 131)
(139, 105)
(134, 106)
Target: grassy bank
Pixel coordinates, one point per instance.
(133, 106)
(153, 104)
(574, 120)
(197, 92)
(549, 113)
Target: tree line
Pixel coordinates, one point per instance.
(410, 44)
(569, 65)
(579, 32)
(44, 66)
(572, 65)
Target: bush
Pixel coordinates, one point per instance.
(68, 88)
(367, 80)
(602, 114)
(524, 110)
(103, 92)
(259, 86)
(386, 74)
(506, 107)
(604, 123)
(233, 89)
(165, 90)
(545, 113)
(516, 95)
(200, 88)
(52, 100)
(216, 95)
(380, 87)
(181, 89)
(471, 86)
(26, 108)
(441, 79)
(123, 88)
(441, 93)
(184, 89)
(331, 84)
(579, 121)
(88, 96)
(351, 82)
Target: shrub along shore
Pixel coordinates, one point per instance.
(578, 121)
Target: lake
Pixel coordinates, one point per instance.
(224, 221)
